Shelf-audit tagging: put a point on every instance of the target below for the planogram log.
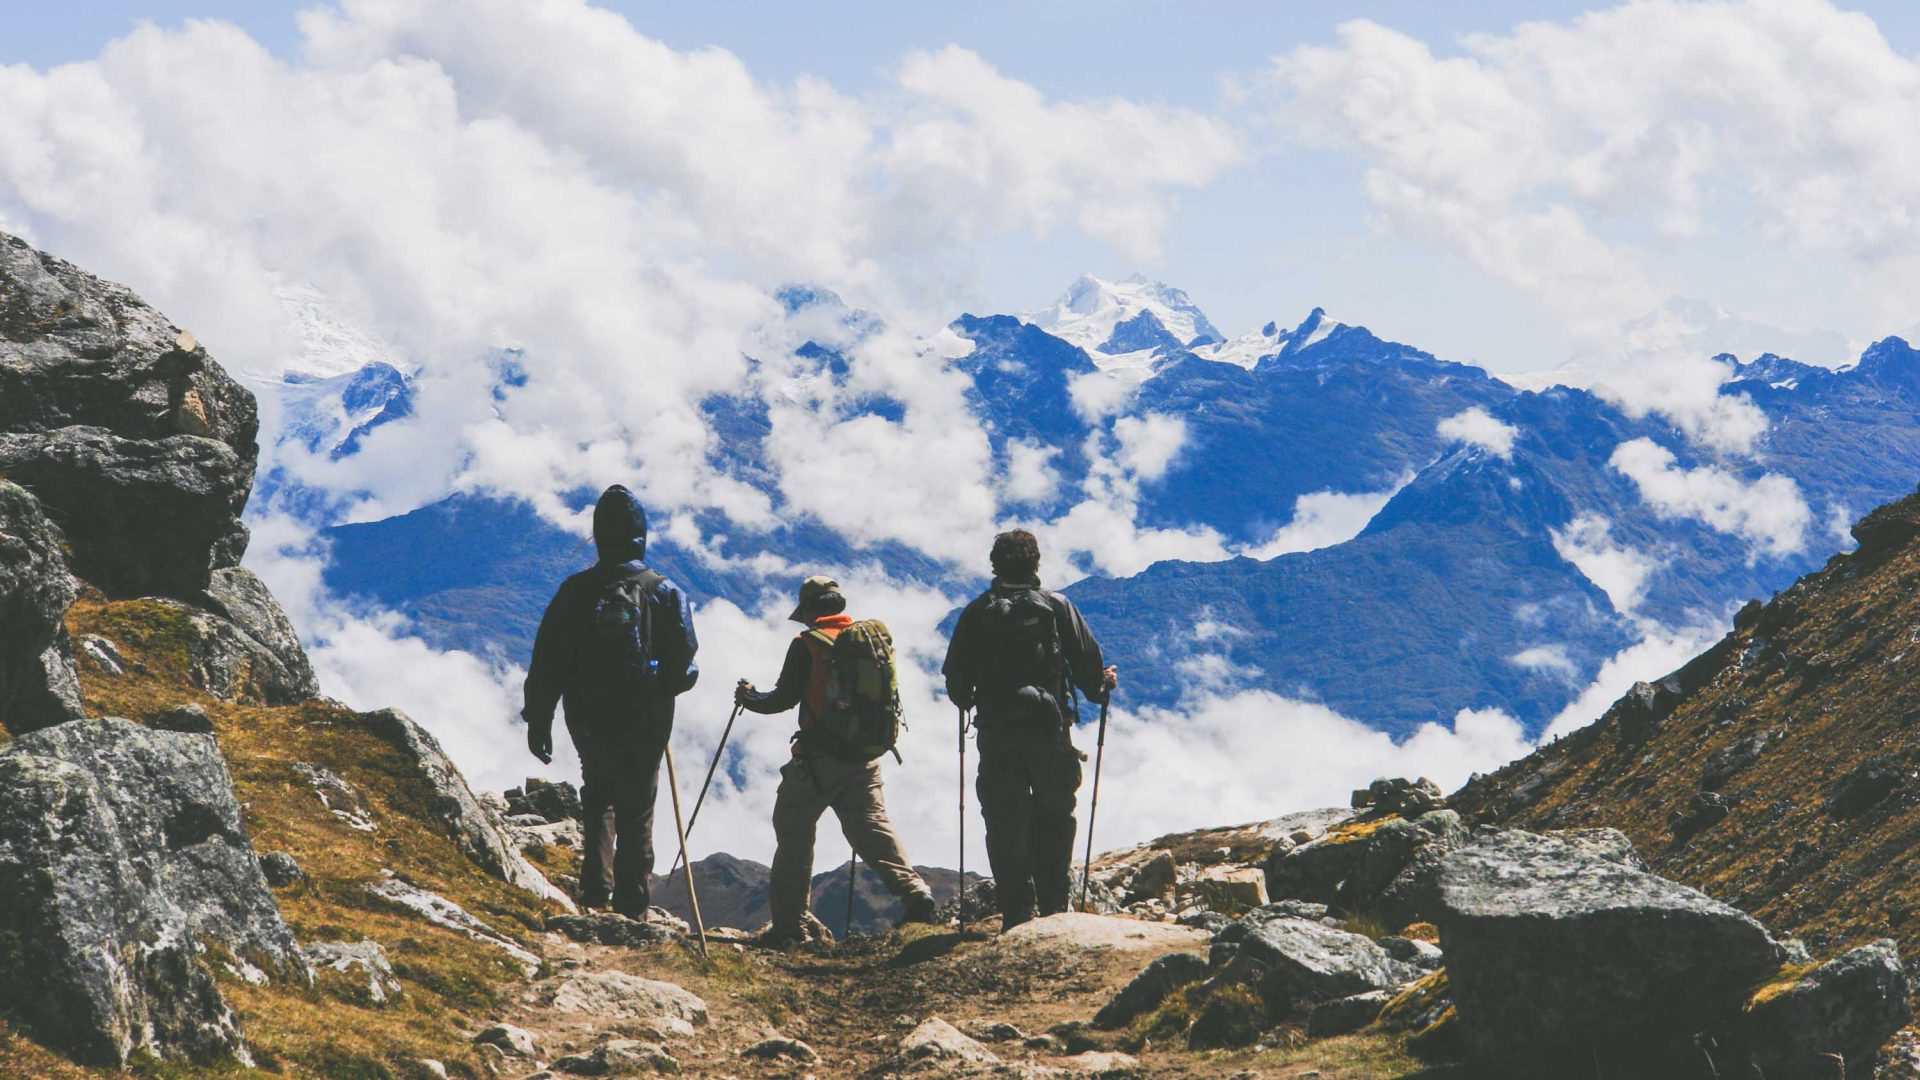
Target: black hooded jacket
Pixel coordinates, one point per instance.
(969, 652)
(620, 536)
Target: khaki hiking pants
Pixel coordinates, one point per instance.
(808, 788)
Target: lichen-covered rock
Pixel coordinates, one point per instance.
(1729, 761)
(619, 1057)
(281, 869)
(37, 684)
(1294, 964)
(278, 664)
(78, 350)
(938, 1045)
(1800, 1022)
(122, 854)
(1382, 865)
(616, 995)
(1152, 877)
(143, 516)
(1149, 988)
(444, 913)
(365, 961)
(1562, 948)
(1344, 1015)
(477, 832)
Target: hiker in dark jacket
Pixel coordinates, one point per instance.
(818, 779)
(1017, 652)
(619, 718)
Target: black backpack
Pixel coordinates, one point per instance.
(1023, 670)
(617, 663)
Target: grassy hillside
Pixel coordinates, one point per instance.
(1824, 683)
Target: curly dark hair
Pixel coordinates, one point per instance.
(827, 604)
(1016, 554)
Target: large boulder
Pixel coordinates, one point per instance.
(78, 350)
(122, 858)
(278, 665)
(37, 682)
(1563, 951)
(1379, 866)
(476, 831)
(139, 445)
(1295, 963)
(1801, 1022)
(144, 516)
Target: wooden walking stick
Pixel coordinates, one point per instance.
(694, 818)
(693, 898)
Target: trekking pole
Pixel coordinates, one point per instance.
(961, 903)
(1100, 754)
(717, 751)
(853, 870)
(693, 898)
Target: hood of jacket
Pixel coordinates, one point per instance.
(619, 526)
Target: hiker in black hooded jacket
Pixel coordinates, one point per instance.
(621, 735)
(1015, 655)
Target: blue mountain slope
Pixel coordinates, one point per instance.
(1350, 414)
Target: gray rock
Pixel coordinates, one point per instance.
(938, 1045)
(1384, 866)
(619, 1057)
(1864, 787)
(548, 800)
(477, 832)
(186, 719)
(143, 515)
(37, 683)
(122, 853)
(1211, 922)
(516, 1041)
(1295, 963)
(608, 928)
(1729, 761)
(281, 869)
(279, 665)
(1152, 877)
(1346, 1015)
(616, 995)
(1424, 955)
(1562, 948)
(78, 350)
(780, 1048)
(103, 654)
(1847, 1008)
(1149, 988)
(367, 959)
(446, 914)
(339, 797)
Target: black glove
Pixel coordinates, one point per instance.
(540, 741)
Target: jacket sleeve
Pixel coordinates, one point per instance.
(679, 644)
(1084, 664)
(791, 687)
(553, 649)
(962, 668)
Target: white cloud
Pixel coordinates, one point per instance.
(1616, 569)
(1552, 659)
(1149, 443)
(1325, 518)
(1478, 427)
(1768, 512)
(1579, 163)
(1031, 476)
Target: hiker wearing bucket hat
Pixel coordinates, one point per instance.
(839, 673)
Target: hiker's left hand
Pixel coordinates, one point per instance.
(541, 744)
(1110, 678)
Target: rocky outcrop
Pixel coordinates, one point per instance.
(1149, 988)
(143, 516)
(1295, 963)
(37, 682)
(140, 446)
(121, 853)
(457, 811)
(1800, 1024)
(1562, 950)
(276, 663)
(1381, 866)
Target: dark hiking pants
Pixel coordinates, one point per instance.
(1029, 775)
(620, 781)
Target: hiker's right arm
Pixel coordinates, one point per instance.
(547, 671)
(786, 693)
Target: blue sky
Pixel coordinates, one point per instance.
(1289, 229)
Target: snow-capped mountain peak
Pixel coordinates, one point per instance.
(1114, 317)
(1270, 340)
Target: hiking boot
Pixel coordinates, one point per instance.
(1009, 920)
(920, 909)
(778, 937)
